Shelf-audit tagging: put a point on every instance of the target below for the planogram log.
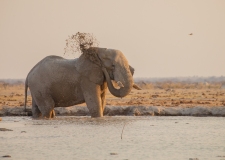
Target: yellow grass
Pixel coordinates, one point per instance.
(153, 94)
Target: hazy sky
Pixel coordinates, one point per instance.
(152, 34)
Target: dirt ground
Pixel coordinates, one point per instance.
(160, 94)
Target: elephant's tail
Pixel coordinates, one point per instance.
(25, 100)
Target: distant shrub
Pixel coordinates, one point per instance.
(179, 85)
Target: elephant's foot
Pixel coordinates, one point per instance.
(34, 116)
(96, 116)
(53, 114)
(49, 115)
(36, 113)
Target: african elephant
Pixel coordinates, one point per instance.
(59, 82)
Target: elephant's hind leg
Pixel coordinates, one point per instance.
(48, 111)
(47, 107)
(36, 113)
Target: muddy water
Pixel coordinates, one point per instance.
(157, 138)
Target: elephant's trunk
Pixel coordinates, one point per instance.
(124, 88)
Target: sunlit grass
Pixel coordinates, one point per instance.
(152, 94)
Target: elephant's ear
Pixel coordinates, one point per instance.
(93, 54)
(89, 65)
(101, 53)
(94, 74)
(131, 70)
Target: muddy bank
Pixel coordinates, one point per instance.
(125, 111)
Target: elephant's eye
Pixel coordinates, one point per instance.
(113, 66)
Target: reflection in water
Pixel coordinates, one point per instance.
(86, 120)
(100, 138)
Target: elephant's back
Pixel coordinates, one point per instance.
(52, 69)
(46, 60)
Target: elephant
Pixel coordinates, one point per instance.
(58, 82)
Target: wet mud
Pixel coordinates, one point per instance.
(125, 111)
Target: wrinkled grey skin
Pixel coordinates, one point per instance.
(59, 82)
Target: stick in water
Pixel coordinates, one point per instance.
(122, 131)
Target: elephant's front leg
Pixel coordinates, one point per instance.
(103, 94)
(92, 96)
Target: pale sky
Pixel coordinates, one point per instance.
(152, 34)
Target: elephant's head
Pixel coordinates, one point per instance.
(115, 67)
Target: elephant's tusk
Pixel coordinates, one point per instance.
(136, 87)
(120, 84)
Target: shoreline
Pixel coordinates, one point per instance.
(142, 110)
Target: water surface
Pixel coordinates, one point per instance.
(156, 138)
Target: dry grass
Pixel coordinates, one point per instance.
(172, 94)
(12, 95)
(153, 94)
